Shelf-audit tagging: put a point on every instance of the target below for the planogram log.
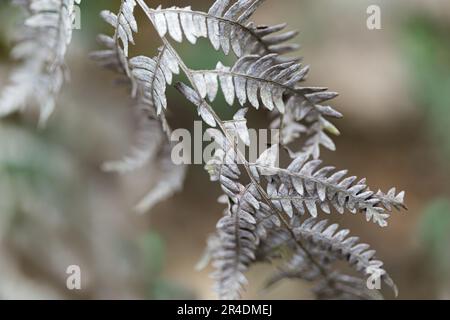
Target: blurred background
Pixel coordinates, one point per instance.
(57, 208)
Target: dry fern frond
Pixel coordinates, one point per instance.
(147, 78)
(227, 29)
(264, 219)
(263, 213)
(41, 48)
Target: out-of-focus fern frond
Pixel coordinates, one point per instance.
(170, 181)
(42, 47)
(148, 141)
(147, 78)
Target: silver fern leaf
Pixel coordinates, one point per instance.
(254, 77)
(263, 214)
(45, 37)
(153, 74)
(124, 23)
(303, 184)
(147, 78)
(298, 185)
(306, 120)
(344, 287)
(327, 237)
(329, 245)
(236, 232)
(153, 130)
(317, 127)
(115, 57)
(334, 286)
(225, 25)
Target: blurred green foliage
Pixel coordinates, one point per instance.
(153, 250)
(435, 235)
(427, 51)
(31, 167)
(8, 15)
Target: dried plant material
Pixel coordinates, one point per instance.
(267, 212)
(41, 48)
(276, 208)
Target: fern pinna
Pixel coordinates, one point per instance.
(272, 212)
